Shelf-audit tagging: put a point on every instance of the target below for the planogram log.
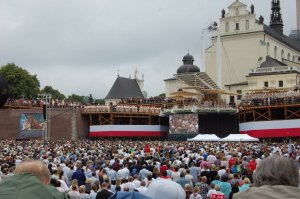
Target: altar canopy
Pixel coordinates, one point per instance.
(239, 137)
(205, 137)
(229, 138)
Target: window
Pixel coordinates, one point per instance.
(289, 56)
(237, 12)
(293, 58)
(266, 84)
(282, 54)
(275, 52)
(268, 48)
(239, 96)
(227, 27)
(237, 26)
(280, 83)
(247, 24)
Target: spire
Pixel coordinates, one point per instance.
(276, 19)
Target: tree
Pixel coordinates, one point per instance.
(77, 98)
(20, 82)
(55, 94)
(99, 101)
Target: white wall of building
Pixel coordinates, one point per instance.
(243, 49)
(172, 85)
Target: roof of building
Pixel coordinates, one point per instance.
(293, 43)
(238, 84)
(124, 88)
(188, 65)
(237, 3)
(270, 62)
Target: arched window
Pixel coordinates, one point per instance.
(227, 27)
(282, 54)
(247, 24)
(275, 52)
(293, 58)
(268, 48)
(289, 56)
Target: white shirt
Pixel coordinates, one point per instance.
(142, 189)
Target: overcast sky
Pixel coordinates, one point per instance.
(78, 46)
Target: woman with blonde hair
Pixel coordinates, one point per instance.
(82, 194)
(196, 193)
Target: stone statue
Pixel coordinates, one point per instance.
(223, 13)
(261, 20)
(252, 9)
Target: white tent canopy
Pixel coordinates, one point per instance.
(229, 138)
(240, 137)
(205, 137)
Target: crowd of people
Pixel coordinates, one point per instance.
(154, 169)
(271, 98)
(122, 109)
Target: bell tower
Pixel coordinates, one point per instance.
(276, 18)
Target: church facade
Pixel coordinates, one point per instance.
(245, 43)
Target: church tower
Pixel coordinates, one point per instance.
(276, 19)
(298, 15)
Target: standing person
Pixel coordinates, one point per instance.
(196, 194)
(225, 186)
(79, 175)
(195, 172)
(276, 177)
(82, 193)
(69, 175)
(182, 181)
(31, 180)
(94, 192)
(204, 187)
(252, 164)
(104, 193)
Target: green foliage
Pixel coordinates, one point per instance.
(99, 101)
(162, 95)
(55, 94)
(20, 82)
(77, 98)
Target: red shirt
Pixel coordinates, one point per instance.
(252, 165)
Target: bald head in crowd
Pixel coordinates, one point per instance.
(36, 168)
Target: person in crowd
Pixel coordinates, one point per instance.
(218, 194)
(196, 193)
(276, 177)
(225, 186)
(204, 187)
(82, 193)
(246, 185)
(142, 189)
(73, 193)
(182, 181)
(104, 193)
(32, 179)
(188, 188)
(211, 190)
(94, 192)
(79, 175)
(234, 189)
(195, 172)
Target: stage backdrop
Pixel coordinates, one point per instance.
(32, 125)
(183, 124)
